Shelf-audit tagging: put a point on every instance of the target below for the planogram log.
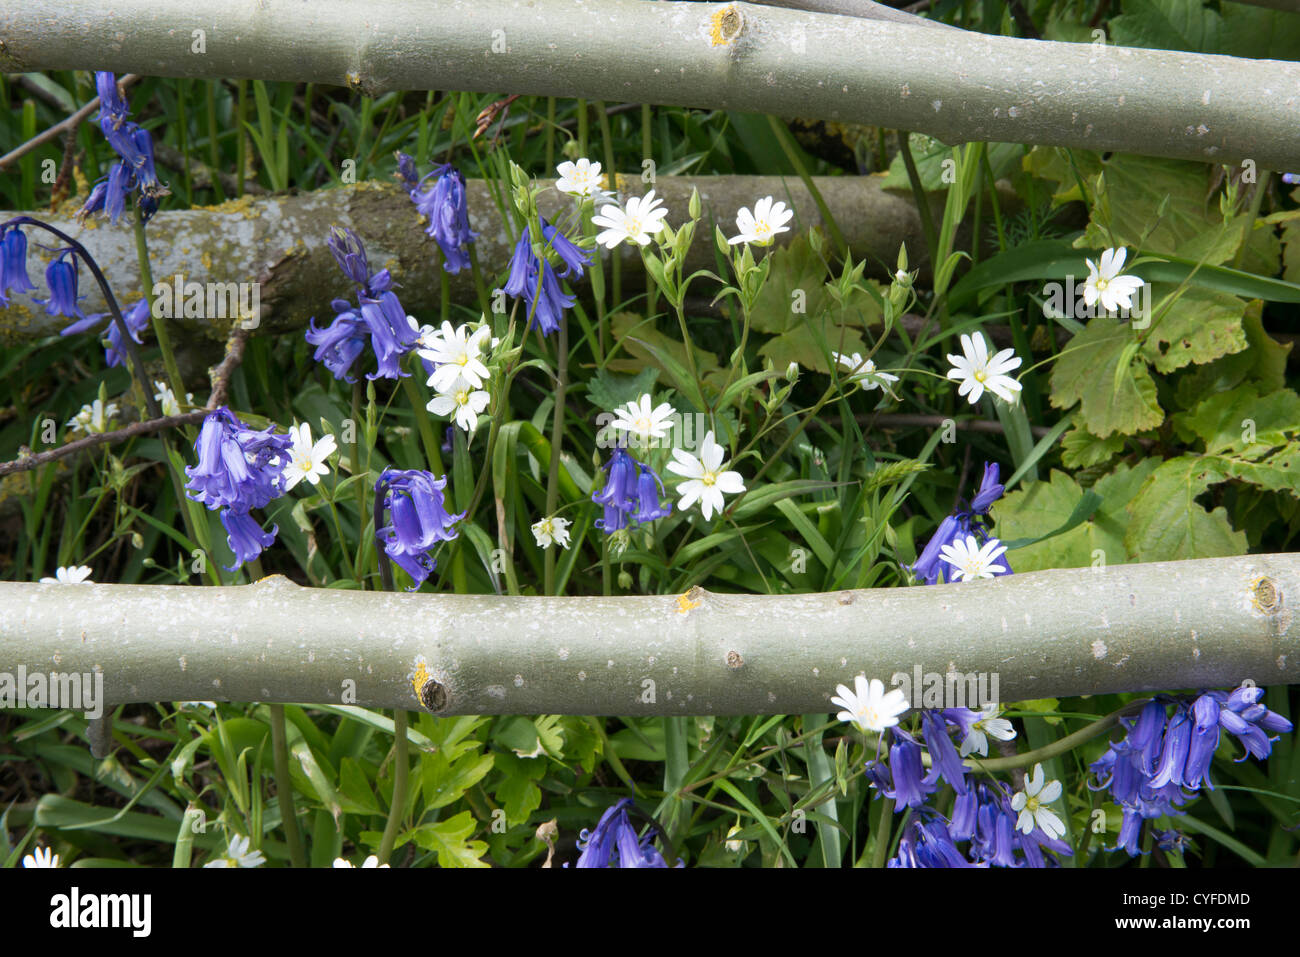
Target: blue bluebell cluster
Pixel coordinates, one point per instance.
(614, 842)
(417, 519)
(379, 321)
(631, 493)
(982, 814)
(239, 469)
(1164, 759)
(534, 279)
(972, 519)
(444, 205)
(134, 171)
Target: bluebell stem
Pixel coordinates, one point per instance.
(443, 204)
(965, 520)
(418, 519)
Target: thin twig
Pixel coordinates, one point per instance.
(220, 385)
(71, 123)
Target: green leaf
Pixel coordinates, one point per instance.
(1167, 25)
(1167, 522)
(1087, 370)
(1199, 327)
(1279, 472)
(1242, 421)
(1036, 510)
(518, 792)
(609, 391)
(1081, 449)
(449, 839)
(766, 495)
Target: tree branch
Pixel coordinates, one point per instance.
(954, 85)
(1202, 623)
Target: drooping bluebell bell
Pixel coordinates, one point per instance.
(13, 263)
(239, 468)
(614, 842)
(417, 519)
(61, 277)
(137, 319)
(340, 343)
(903, 779)
(444, 205)
(965, 520)
(926, 842)
(944, 761)
(245, 536)
(631, 493)
(535, 280)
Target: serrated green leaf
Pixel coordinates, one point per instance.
(449, 839)
(1199, 327)
(1086, 373)
(1168, 524)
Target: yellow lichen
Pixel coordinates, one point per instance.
(725, 25)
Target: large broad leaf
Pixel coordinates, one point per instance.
(1142, 192)
(1280, 472)
(1263, 362)
(1099, 369)
(1256, 32)
(1080, 449)
(1242, 421)
(1046, 505)
(1168, 524)
(1168, 25)
(1199, 327)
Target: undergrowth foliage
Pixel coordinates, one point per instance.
(1100, 378)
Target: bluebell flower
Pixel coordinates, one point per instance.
(945, 762)
(631, 492)
(417, 519)
(61, 277)
(535, 279)
(13, 263)
(905, 781)
(443, 204)
(925, 842)
(239, 468)
(614, 842)
(973, 519)
(137, 319)
(350, 254)
(244, 535)
(135, 171)
(340, 343)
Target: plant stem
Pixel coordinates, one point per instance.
(397, 807)
(284, 787)
(557, 442)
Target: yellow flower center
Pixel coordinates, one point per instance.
(980, 375)
(462, 360)
(1101, 282)
(709, 478)
(462, 397)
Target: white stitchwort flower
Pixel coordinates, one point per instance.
(1107, 282)
(761, 226)
(462, 402)
(166, 398)
(456, 354)
(1032, 804)
(986, 725)
(977, 371)
(869, 706)
(307, 461)
(866, 371)
(41, 857)
(582, 178)
(371, 861)
(93, 419)
(642, 421)
(642, 218)
(707, 480)
(970, 560)
(552, 531)
(70, 575)
(238, 855)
